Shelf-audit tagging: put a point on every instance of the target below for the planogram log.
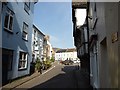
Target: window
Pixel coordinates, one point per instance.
(25, 31)
(41, 44)
(8, 22)
(22, 60)
(27, 7)
(34, 34)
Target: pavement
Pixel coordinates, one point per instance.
(80, 76)
(82, 79)
(22, 80)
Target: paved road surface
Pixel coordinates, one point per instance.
(59, 76)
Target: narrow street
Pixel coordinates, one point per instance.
(59, 44)
(60, 76)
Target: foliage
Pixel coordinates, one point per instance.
(38, 64)
(52, 59)
(47, 58)
(47, 64)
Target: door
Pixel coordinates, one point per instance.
(5, 58)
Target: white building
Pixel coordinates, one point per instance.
(64, 54)
(37, 44)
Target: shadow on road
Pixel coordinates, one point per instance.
(62, 80)
(70, 78)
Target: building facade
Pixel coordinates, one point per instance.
(17, 22)
(82, 47)
(37, 44)
(66, 54)
(104, 44)
(54, 50)
(80, 34)
(1, 44)
(103, 33)
(47, 48)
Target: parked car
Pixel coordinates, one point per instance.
(76, 61)
(67, 62)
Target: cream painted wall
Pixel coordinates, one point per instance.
(64, 55)
(107, 52)
(111, 22)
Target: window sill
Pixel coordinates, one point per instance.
(21, 69)
(9, 31)
(25, 40)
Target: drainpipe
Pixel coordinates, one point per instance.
(1, 44)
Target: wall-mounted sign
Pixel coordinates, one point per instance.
(114, 37)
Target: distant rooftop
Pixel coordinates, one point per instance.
(66, 50)
(79, 3)
(34, 26)
(56, 49)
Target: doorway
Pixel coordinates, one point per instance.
(7, 58)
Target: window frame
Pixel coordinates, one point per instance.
(23, 59)
(25, 31)
(10, 14)
(27, 7)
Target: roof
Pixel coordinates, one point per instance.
(79, 3)
(56, 49)
(61, 50)
(66, 50)
(71, 50)
(38, 30)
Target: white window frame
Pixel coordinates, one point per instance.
(27, 6)
(10, 14)
(25, 31)
(22, 59)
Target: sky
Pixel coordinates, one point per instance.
(55, 19)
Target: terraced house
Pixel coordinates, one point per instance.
(66, 54)
(17, 25)
(37, 44)
(103, 36)
(104, 43)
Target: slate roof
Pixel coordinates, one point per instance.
(66, 50)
